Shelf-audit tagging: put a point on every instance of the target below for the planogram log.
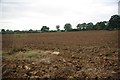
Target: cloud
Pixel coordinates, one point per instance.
(36, 13)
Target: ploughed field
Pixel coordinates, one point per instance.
(85, 54)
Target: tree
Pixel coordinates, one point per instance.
(90, 26)
(58, 27)
(79, 26)
(9, 31)
(83, 26)
(114, 22)
(68, 27)
(16, 31)
(106, 25)
(30, 31)
(100, 25)
(3, 30)
(45, 29)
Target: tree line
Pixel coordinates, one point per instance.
(112, 24)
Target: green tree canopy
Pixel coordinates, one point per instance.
(58, 27)
(83, 26)
(68, 27)
(3, 30)
(90, 26)
(114, 22)
(79, 26)
(45, 29)
(100, 25)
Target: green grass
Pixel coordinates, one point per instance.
(20, 35)
(118, 49)
(29, 55)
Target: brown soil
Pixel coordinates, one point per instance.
(85, 54)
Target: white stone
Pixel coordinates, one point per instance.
(56, 53)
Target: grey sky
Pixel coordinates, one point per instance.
(33, 14)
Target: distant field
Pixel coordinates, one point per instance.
(85, 54)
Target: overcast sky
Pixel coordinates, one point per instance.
(33, 14)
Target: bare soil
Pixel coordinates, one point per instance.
(68, 55)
